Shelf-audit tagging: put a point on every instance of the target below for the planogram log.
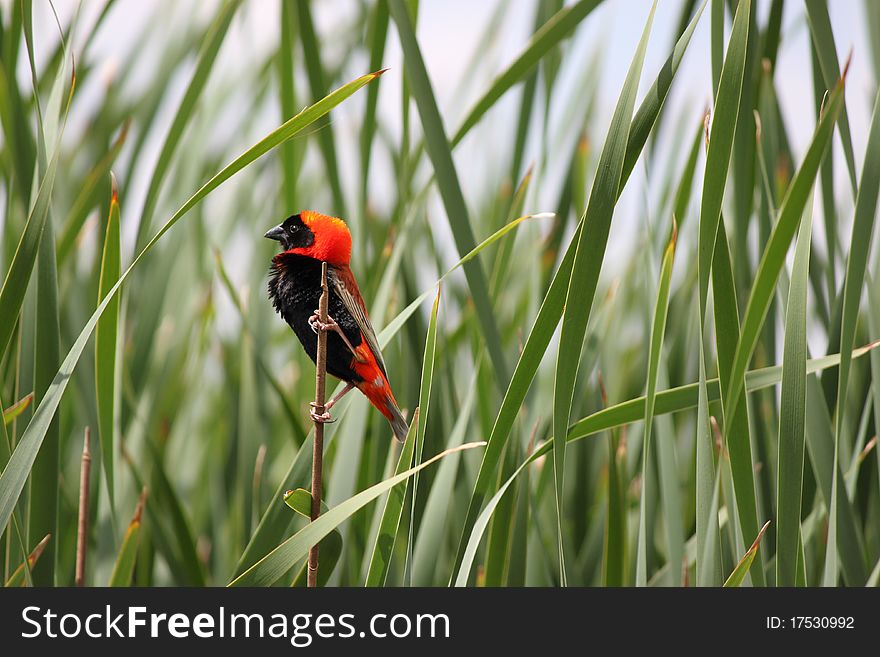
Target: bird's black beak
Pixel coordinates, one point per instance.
(276, 233)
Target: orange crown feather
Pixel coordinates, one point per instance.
(332, 239)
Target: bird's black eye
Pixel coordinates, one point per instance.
(297, 234)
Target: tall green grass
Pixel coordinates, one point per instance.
(583, 413)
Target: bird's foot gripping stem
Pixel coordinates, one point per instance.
(330, 325)
(323, 418)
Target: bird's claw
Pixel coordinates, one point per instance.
(330, 325)
(317, 325)
(322, 418)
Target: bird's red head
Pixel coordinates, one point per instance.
(314, 235)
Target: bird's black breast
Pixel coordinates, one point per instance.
(295, 290)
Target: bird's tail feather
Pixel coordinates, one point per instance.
(398, 422)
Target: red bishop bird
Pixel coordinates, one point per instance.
(353, 355)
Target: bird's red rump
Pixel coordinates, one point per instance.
(374, 384)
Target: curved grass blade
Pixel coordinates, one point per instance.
(377, 37)
(448, 185)
(205, 64)
(19, 273)
(289, 155)
(857, 261)
(555, 30)
(268, 569)
(590, 253)
(738, 442)
(820, 447)
(793, 412)
(123, 569)
(43, 507)
(773, 257)
(17, 408)
(437, 507)
(646, 116)
(687, 396)
(425, 386)
(708, 561)
(655, 350)
(19, 576)
(106, 388)
(742, 568)
(13, 478)
(826, 51)
(479, 527)
(721, 133)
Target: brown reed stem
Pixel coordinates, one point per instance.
(318, 447)
(82, 530)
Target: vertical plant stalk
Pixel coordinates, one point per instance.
(82, 528)
(318, 446)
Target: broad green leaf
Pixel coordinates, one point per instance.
(820, 447)
(708, 562)
(45, 474)
(288, 153)
(425, 387)
(460, 578)
(685, 185)
(793, 411)
(106, 387)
